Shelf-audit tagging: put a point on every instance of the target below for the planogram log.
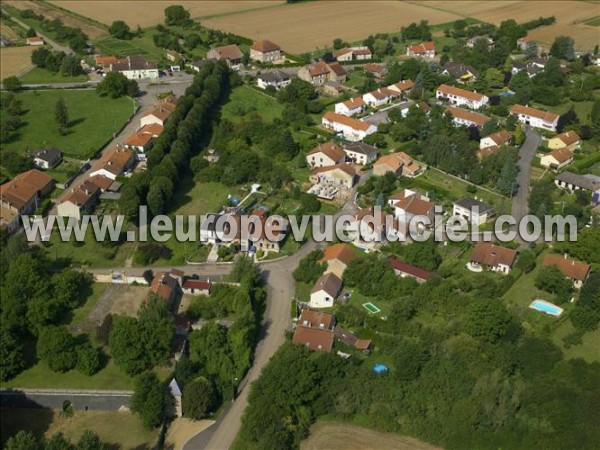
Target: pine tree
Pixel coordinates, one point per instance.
(506, 184)
(595, 116)
(519, 135)
(61, 114)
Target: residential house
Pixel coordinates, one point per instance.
(493, 257)
(351, 340)
(568, 139)
(575, 271)
(535, 117)
(113, 163)
(372, 227)
(160, 112)
(319, 73)
(557, 159)
(231, 54)
(332, 88)
(377, 70)
(314, 338)
(354, 53)
(141, 141)
(268, 228)
(460, 97)
(337, 257)
(343, 54)
(325, 291)
(381, 96)
(361, 53)
(399, 163)
(135, 67)
(165, 286)
(325, 155)
(411, 206)
(34, 40)
(499, 138)
(467, 118)
(47, 158)
(350, 107)
(196, 287)
(422, 50)
(360, 153)
(265, 52)
(487, 151)
(310, 318)
(404, 270)
(21, 196)
(472, 41)
(463, 73)
(79, 201)
(573, 182)
(473, 209)
(341, 175)
(103, 183)
(526, 44)
(278, 79)
(531, 69)
(352, 129)
(402, 87)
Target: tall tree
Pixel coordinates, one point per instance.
(61, 115)
(149, 399)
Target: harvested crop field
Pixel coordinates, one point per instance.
(15, 61)
(93, 31)
(570, 16)
(342, 436)
(302, 27)
(144, 14)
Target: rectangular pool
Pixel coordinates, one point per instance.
(546, 307)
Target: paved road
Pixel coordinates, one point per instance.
(54, 398)
(526, 154)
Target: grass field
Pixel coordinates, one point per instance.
(80, 314)
(571, 18)
(304, 26)
(38, 75)
(342, 436)
(245, 101)
(120, 429)
(93, 120)
(134, 13)
(15, 61)
(200, 198)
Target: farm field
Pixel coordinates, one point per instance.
(300, 27)
(8, 32)
(15, 61)
(135, 13)
(93, 120)
(341, 436)
(120, 429)
(570, 16)
(93, 31)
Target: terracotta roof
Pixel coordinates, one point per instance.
(101, 181)
(316, 319)
(153, 129)
(341, 252)
(314, 338)
(422, 47)
(196, 284)
(35, 39)
(162, 111)
(561, 155)
(568, 137)
(355, 124)
(403, 85)
(413, 204)
(331, 149)
(337, 68)
(493, 255)
(487, 151)
(533, 112)
(451, 90)
(265, 46)
(106, 60)
(412, 271)
(362, 51)
(341, 166)
(24, 187)
(569, 267)
(138, 139)
(83, 195)
(383, 93)
(373, 67)
(228, 52)
(355, 102)
(330, 283)
(349, 338)
(114, 161)
(413, 168)
(394, 160)
(500, 137)
(317, 69)
(478, 119)
(342, 51)
(163, 285)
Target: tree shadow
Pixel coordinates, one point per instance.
(76, 122)
(19, 412)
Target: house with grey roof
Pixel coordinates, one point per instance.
(473, 209)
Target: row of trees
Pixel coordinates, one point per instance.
(26, 440)
(57, 62)
(74, 37)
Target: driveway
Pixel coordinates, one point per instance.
(526, 153)
(381, 116)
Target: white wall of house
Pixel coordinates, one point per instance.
(69, 209)
(340, 108)
(349, 133)
(139, 74)
(105, 173)
(460, 101)
(360, 158)
(276, 84)
(471, 216)
(321, 299)
(320, 159)
(549, 161)
(149, 119)
(537, 122)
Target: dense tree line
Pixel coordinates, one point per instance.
(10, 106)
(26, 440)
(184, 134)
(57, 62)
(74, 37)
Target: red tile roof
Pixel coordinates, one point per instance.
(451, 90)
(314, 338)
(568, 137)
(331, 149)
(412, 271)
(197, 284)
(569, 267)
(533, 112)
(561, 155)
(316, 319)
(500, 137)
(342, 252)
(355, 124)
(341, 166)
(476, 118)
(355, 102)
(422, 47)
(493, 255)
(265, 46)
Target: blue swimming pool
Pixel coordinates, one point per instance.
(546, 307)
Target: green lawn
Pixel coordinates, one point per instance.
(583, 109)
(80, 314)
(38, 75)
(64, 171)
(196, 198)
(588, 350)
(93, 120)
(246, 101)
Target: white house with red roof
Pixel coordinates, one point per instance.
(535, 117)
(422, 50)
(461, 97)
(352, 129)
(380, 97)
(350, 107)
